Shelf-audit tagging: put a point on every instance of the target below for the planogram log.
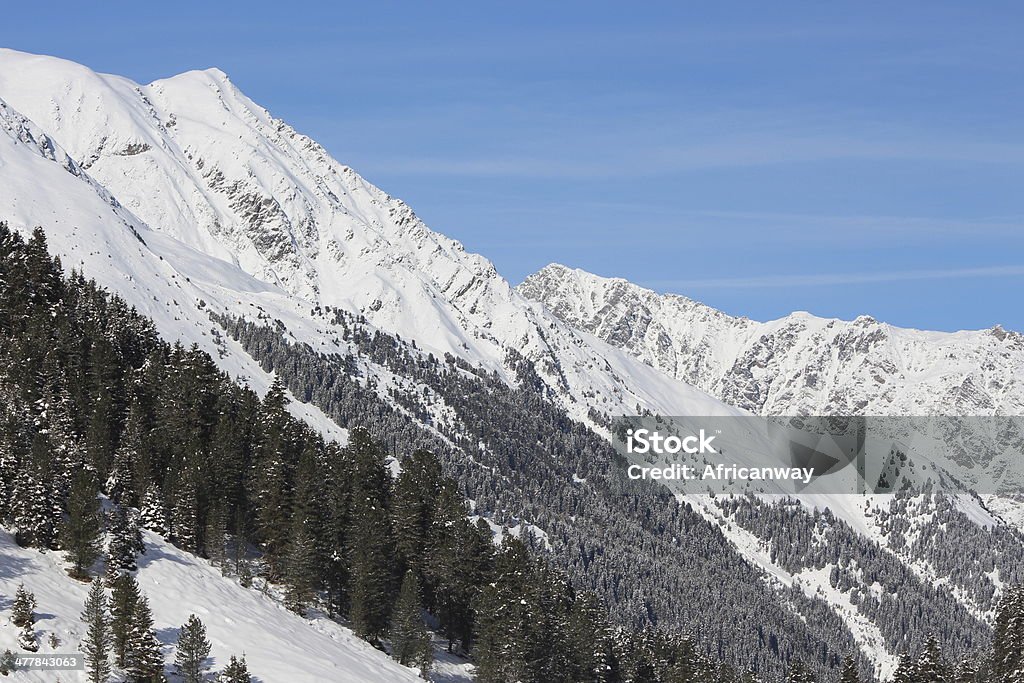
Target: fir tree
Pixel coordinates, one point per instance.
(904, 670)
(124, 598)
(8, 663)
(369, 533)
(153, 512)
(125, 542)
(301, 571)
(931, 668)
(849, 673)
(192, 651)
(1008, 636)
(24, 607)
(408, 632)
(80, 530)
(798, 673)
(272, 475)
(27, 638)
(185, 514)
(144, 660)
(97, 642)
(33, 504)
(215, 535)
(235, 672)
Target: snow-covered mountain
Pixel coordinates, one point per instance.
(186, 198)
(799, 364)
(258, 206)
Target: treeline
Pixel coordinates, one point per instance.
(93, 401)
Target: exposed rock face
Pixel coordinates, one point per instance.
(798, 364)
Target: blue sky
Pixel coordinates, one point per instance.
(841, 158)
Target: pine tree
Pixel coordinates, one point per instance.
(798, 673)
(301, 569)
(931, 668)
(34, 503)
(27, 638)
(1008, 635)
(370, 540)
(97, 641)
(124, 598)
(120, 484)
(185, 514)
(850, 673)
(416, 493)
(144, 660)
(215, 536)
(193, 649)
(271, 478)
(235, 672)
(153, 512)
(8, 663)
(125, 542)
(24, 607)
(80, 530)
(408, 632)
(904, 670)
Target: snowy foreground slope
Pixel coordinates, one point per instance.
(279, 646)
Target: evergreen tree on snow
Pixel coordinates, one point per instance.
(798, 673)
(849, 673)
(1008, 636)
(185, 513)
(33, 504)
(153, 512)
(904, 670)
(8, 663)
(215, 534)
(408, 633)
(271, 478)
(27, 638)
(22, 611)
(412, 510)
(124, 597)
(235, 672)
(120, 484)
(931, 668)
(192, 650)
(370, 539)
(144, 660)
(81, 527)
(301, 570)
(125, 541)
(97, 641)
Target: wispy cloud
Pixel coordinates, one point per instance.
(827, 279)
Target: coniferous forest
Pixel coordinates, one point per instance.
(107, 429)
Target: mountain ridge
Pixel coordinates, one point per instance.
(796, 364)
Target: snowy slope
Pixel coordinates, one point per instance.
(800, 364)
(279, 646)
(277, 220)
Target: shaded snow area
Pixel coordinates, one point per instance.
(279, 646)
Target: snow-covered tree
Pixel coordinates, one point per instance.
(192, 650)
(144, 660)
(410, 642)
(153, 512)
(81, 527)
(24, 607)
(97, 641)
(235, 672)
